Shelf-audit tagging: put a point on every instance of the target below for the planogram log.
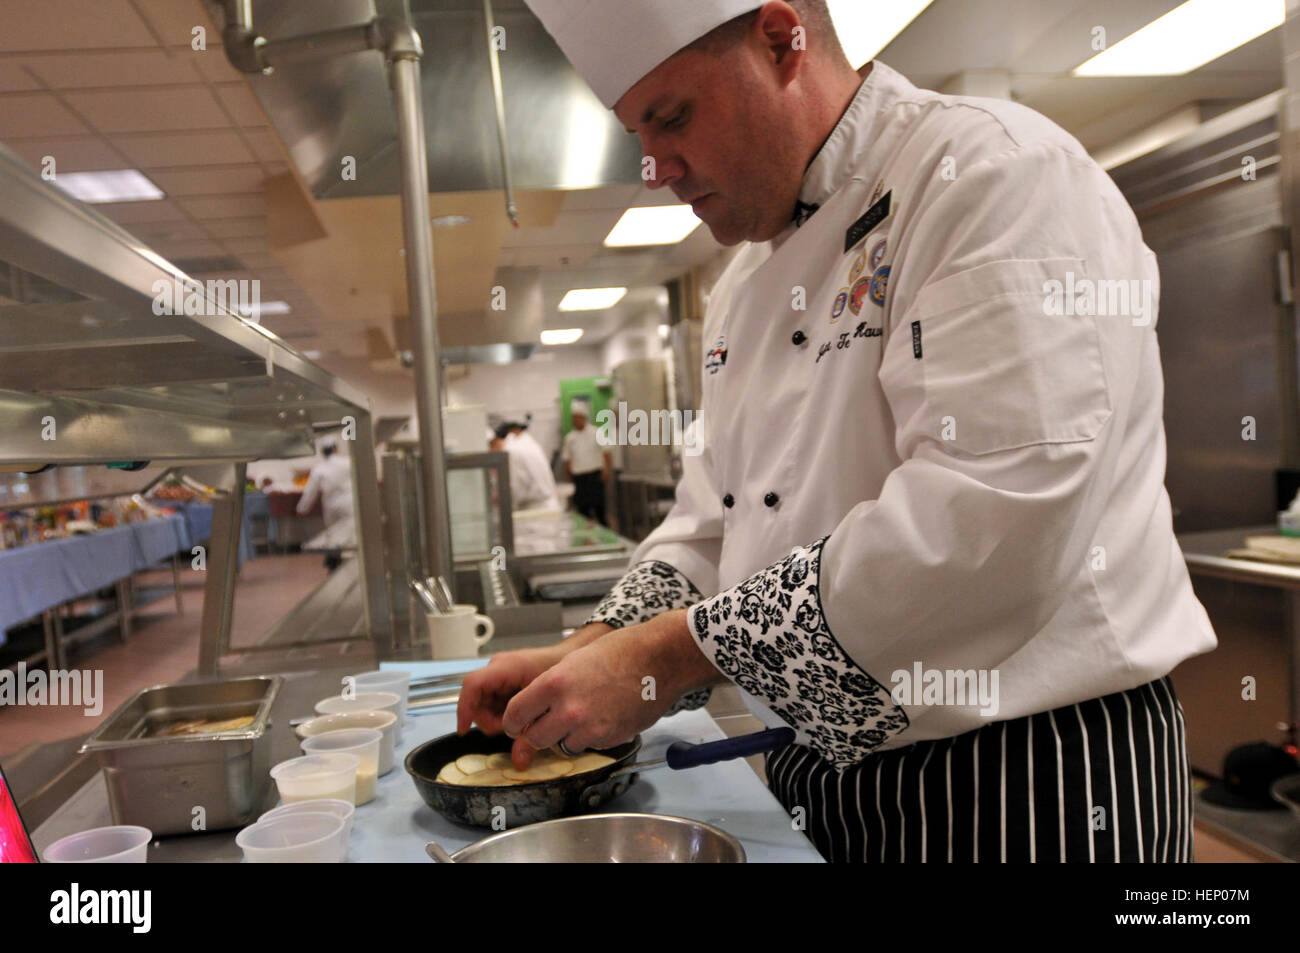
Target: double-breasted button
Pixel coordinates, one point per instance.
(728, 501)
(798, 338)
(771, 499)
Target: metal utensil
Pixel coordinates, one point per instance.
(438, 853)
(629, 838)
(429, 681)
(442, 593)
(425, 596)
(432, 701)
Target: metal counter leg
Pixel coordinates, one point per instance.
(222, 563)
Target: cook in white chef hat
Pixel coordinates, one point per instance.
(733, 123)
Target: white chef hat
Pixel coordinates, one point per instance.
(614, 44)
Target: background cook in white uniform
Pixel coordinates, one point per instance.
(331, 481)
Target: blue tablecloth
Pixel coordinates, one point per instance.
(38, 577)
(198, 518)
(396, 825)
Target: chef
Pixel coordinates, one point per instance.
(330, 481)
(928, 530)
(531, 483)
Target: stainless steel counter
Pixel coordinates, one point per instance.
(1255, 607)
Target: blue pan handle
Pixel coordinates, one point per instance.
(682, 755)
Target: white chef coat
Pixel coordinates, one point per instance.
(331, 480)
(956, 478)
(531, 482)
(583, 451)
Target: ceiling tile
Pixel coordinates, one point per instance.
(570, 228)
(226, 206)
(128, 68)
(13, 78)
(237, 228)
(212, 62)
(72, 25)
(176, 250)
(182, 149)
(247, 246)
(150, 110)
(607, 197)
(241, 104)
(218, 180)
(173, 20)
(129, 213)
(156, 233)
(265, 144)
(257, 261)
(554, 256)
(28, 115)
(76, 154)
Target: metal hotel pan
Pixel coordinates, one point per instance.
(542, 800)
(157, 781)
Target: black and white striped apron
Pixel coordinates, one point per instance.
(1101, 781)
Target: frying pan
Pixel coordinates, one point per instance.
(578, 793)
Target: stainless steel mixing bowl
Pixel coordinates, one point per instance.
(607, 839)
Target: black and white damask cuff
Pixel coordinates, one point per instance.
(769, 635)
(646, 590)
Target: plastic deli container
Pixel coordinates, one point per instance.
(310, 838)
(362, 742)
(127, 844)
(329, 776)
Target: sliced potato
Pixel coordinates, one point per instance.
(450, 774)
(539, 771)
(472, 763)
(500, 761)
(487, 778)
(591, 761)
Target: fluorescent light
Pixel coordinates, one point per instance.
(658, 225)
(866, 27)
(1186, 38)
(265, 308)
(311, 355)
(592, 299)
(566, 336)
(450, 221)
(96, 188)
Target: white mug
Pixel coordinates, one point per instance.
(459, 633)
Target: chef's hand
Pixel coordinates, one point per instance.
(607, 691)
(485, 693)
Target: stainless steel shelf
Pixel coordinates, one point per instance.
(78, 329)
(92, 374)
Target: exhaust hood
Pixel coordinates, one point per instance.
(336, 113)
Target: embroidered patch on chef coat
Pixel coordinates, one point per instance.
(859, 295)
(717, 357)
(878, 254)
(841, 302)
(868, 223)
(880, 285)
(859, 266)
